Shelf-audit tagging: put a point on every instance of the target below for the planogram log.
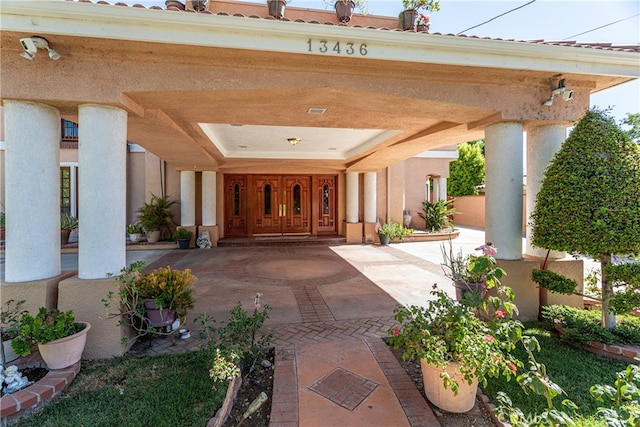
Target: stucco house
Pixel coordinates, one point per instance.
(263, 126)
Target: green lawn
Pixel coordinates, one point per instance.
(573, 369)
(167, 390)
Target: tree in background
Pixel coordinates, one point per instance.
(467, 173)
(589, 201)
(633, 121)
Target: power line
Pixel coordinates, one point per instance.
(602, 26)
(496, 17)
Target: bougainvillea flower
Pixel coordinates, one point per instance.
(395, 331)
(488, 338)
(488, 249)
(513, 367)
(501, 314)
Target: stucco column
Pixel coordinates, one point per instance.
(209, 198)
(442, 188)
(543, 142)
(187, 198)
(352, 197)
(503, 211)
(370, 201)
(102, 190)
(32, 171)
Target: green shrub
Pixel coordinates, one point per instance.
(582, 326)
(554, 282)
(394, 230)
(182, 233)
(436, 214)
(46, 326)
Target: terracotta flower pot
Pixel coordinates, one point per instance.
(444, 398)
(59, 354)
(153, 236)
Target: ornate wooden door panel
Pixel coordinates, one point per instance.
(296, 204)
(326, 193)
(267, 205)
(235, 205)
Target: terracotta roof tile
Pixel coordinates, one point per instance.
(594, 45)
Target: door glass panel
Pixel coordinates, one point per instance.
(267, 199)
(296, 199)
(65, 190)
(236, 199)
(325, 199)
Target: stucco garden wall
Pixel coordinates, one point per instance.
(471, 211)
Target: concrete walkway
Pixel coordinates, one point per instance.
(330, 307)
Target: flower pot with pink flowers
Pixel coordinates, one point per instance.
(456, 348)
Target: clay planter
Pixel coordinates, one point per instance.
(64, 236)
(475, 288)
(158, 318)
(9, 354)
(63, 352)
(408, 19)
(444, 398)
(344, 10)
(153, 236)
(135, 237)
(276, 8)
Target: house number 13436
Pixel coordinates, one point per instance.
(338, 48)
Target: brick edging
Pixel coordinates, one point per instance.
(617, 352)
(34, 397)
(285, 410)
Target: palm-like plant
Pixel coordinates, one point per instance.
(436, 214)
(156, 214)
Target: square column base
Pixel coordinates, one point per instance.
(370, 235)
(353, 232)
(37, 293)
(214, 233)
(84, 296)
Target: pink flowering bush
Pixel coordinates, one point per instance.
(447, 330)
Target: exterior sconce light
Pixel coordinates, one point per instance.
(558, 89)
(293, 141)
(31, 46)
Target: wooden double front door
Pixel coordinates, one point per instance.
(279, 204)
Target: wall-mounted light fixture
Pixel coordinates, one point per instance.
(293, 141)
(558, 88)
(31, 46)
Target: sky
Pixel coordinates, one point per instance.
(611, 21)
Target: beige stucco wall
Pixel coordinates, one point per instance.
(471, 211)
(84, 298)
(135, 184)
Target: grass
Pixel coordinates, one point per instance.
(166, 390)
(573, 369)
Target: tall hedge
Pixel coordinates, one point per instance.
(589, 201)
(466, 173)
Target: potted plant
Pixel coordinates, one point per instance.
(152, 302)
(9, 315)
(472, 275)
(436, 214)
(59, 337)
(68, 223)
(155, 216)
(135, 232)
(411, 11)
(392, 230)
(456, 348)
(183, 237)
(277, 8)
(345, 8)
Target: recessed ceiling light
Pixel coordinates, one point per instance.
(316, 110)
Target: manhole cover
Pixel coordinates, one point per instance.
(344, 388)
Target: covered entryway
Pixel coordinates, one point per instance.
(275, 205)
